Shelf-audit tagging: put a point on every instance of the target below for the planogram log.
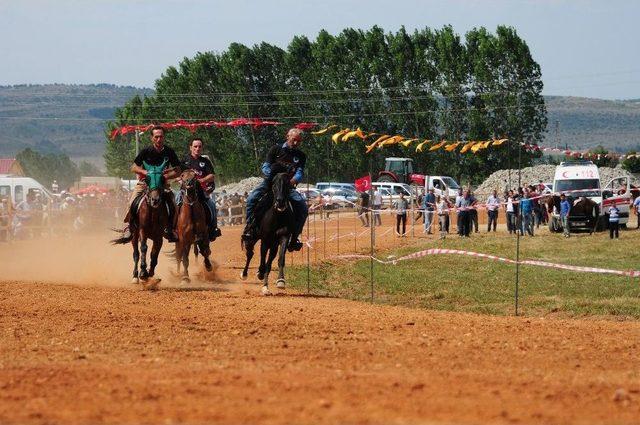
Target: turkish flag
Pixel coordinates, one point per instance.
(363, 184)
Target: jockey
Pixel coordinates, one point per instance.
(282, 157)
(205, 175)
(154, 155)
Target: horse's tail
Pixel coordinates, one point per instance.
(121, 241)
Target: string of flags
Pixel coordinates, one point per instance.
(371, 140)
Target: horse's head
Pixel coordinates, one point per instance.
(189, 183)
(280, 188)
(154, 183)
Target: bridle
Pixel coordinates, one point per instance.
(189, 195)
(279, 189)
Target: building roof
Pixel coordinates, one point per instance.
(5, 165)
(11, 166)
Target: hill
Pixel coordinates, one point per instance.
(70, 118)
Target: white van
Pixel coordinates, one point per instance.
(17, 188)
(618, 191)
(442, 185)
(334, 185)
(578, 178)
(391, 191)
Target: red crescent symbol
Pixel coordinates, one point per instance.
(564, 174)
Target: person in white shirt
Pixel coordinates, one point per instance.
(377, 206)
(511, 212)
(493, 203)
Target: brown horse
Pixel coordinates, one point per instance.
(152, 218)
(583, 210)
(191, 225)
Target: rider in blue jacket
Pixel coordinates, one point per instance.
(286, 157)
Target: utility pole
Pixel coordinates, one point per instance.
(137, 142)
(557, 136)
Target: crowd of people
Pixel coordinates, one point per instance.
(524, 211)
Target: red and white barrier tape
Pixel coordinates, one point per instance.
(441, 251)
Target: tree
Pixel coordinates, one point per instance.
(88, 169)
(48, 167)
(603, 159)
(429, 83)
(631, 163)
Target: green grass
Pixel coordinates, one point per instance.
(460, 283)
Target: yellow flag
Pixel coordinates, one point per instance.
(350, 134)
(336, 137)
(499, 142)
(371, 147)
(452, 146)
(475, 148)
(467, 146)
(391, 141)
(381, 138)
(421, 144)
(324, 130)
(437, 146)
(407, 142)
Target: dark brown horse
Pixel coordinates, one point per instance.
(152, 218)
(274, 232)
(191, 225)
(582, 210)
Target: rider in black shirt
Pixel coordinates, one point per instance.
(155, 155)
(282, 158)
(206, 176)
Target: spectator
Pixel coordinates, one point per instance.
(493, 203)
(458, 223)
(565, 209)
(473, 213)
(420, 201)
(377, 206)
(614, 221)
(363, 208)
(526, 212)
(636, 206)
(509, 208)
(463, 206)
(401, 206)
(428, 205)
(442, 207)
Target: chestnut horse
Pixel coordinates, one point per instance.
(152, 219)
(191, 225)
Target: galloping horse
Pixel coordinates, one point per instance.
(274, 232)
(152, 219)
(191, 225)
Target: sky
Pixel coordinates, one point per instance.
(585, 48)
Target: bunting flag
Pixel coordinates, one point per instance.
(338, 136)
(452, 146)
(467, 146)
(324, 130)
(407, 142)
(421, 144)
(306, 126)
(437, 145)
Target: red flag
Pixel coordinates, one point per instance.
(363, 184)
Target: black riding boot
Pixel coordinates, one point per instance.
(294, 243)
(170, 233)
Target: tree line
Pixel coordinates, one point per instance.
(429, 83)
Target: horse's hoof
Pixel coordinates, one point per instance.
(260, 276)
(135, 281)
(151, 285)
(265, 290)
(243, 276)
(185, 279)
(208, 267)
(280, 283)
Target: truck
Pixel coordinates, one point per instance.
(400, 170)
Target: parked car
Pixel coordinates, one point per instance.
(335, 185)
(308, 194)
(339, 197)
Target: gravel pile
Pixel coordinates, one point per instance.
(244, 185)
(532, 175)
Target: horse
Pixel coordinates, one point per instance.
(584, 208)
(274, 232)
(152, 218)
(191, 225)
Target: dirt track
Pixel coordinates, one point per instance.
(97, 350)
